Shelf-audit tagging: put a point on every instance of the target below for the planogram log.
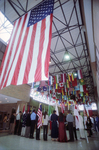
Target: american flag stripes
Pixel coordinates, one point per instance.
(27, 55)
(39, 114)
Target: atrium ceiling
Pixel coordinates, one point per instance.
(68, 36)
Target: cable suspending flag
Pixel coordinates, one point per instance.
(26, 59)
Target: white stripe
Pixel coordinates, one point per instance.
(35, 53)
(79, 76)
(46, 41)
(18, 51)
(8, 51)
(25, 57)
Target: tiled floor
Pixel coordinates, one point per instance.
(14, 142)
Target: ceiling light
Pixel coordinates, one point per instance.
(7, 101)
(75, 74)
(67, 57)
(0, 102)
(5, 98)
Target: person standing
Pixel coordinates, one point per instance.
(28, 123)
(33, 121)
(70, 120)
(62, 133)
(45, 126)
(74, 128)
(54, 129)
(12, 119)
(17, 122)
(89, 125)
(81, 127)
(4, 121)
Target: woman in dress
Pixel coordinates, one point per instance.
(89, 125)
(62, 131)
(54, 130)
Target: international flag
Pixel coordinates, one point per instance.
(39, 114)
(56, 80)
(50, 80)
(76, 114)
(18, 109)
(80, 76)
(61, 84)
(67, 83)
(26, 59)
(70, 76)
(82, 82)
(63, 77)
(74, 83)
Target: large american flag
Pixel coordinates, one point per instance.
(27, 55)
(39, 114)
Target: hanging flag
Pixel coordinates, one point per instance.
(80, 76)
(77, 88)
(18, 109)
(56, 80)
(82, 82)
(74, 83)
(63, 93)
(61, 84)
(39, 114)
(76, 114)
(84, 88)
(50, 80)
(56, 108)
(70, 76)
(67, 83)
(27, 55)
(23, 109)
(63, 77)
(81, 88)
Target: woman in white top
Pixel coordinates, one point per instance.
(45, 125)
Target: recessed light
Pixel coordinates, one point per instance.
(5, 98)
(7, 101)
(0, 102)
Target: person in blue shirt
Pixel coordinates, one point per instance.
(33, 120)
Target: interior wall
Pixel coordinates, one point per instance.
(8, 107)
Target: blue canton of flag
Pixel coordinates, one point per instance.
(40, 106)
(41, 12)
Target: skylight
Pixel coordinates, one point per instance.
(5, 28)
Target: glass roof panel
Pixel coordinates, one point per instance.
(5, 28)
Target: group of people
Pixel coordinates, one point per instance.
(25, 123)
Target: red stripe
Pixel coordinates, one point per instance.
(9, 57)
(54, 80)
(19, 39)
(61, 77)
(47, 59)
(30, 55)
(38, 74)
(64, 77)
(81, 74)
